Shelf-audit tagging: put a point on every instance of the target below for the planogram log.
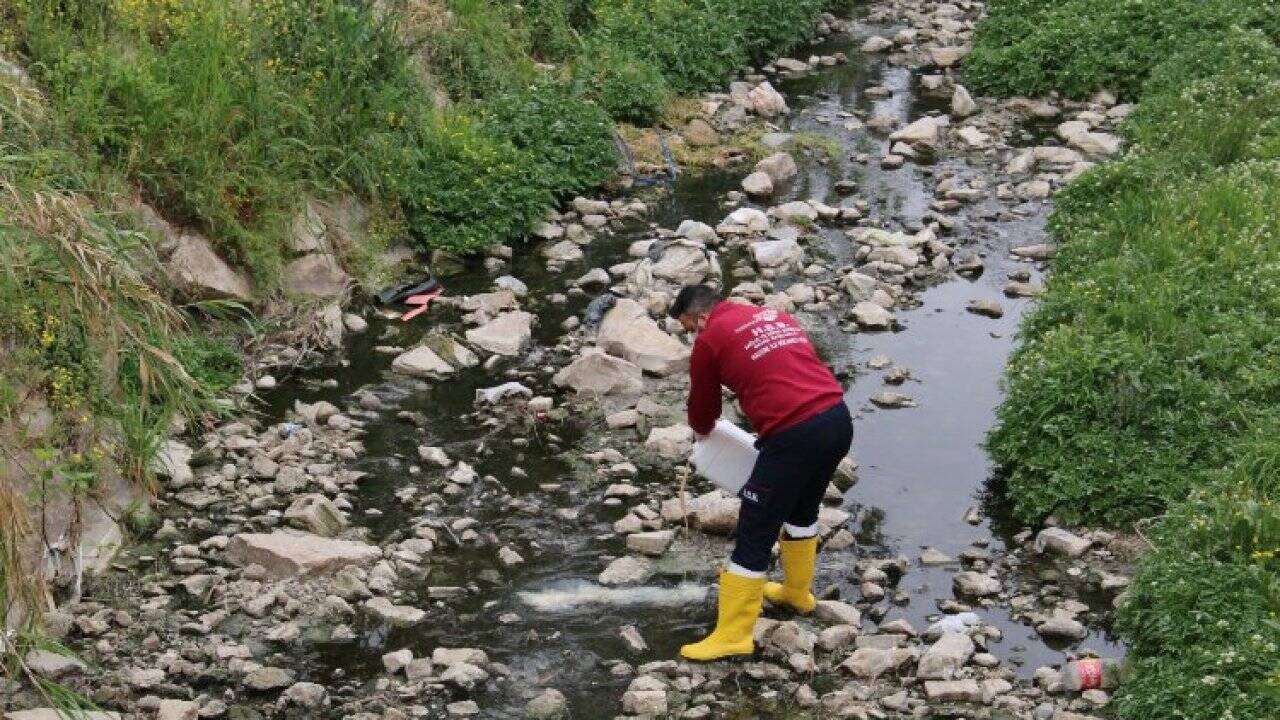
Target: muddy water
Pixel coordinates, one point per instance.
(920, 467)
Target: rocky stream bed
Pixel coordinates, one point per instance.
(479, 512)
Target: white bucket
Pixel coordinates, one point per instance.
(726, 457)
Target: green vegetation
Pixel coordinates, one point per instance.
(1146, 385)
(1079, 46)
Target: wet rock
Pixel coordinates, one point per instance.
(173, 461)
(744, 220)
(464, 675)
(506, 334)
(674, 442)
(684, 262)
(943, 659)
(628, 332)
(869, 663)
(766, 101)
(595, 372)
(924, 132)
(1061, 626)
(177, 710)
(953, 691)
(627, 570)
(461, 708)
(286, 554)
(945, 57)
(1061, 542)
(634, 641)
(646, 695)
(871, 316)
(1041, 251)
(962, 104)
(780, 167)
(838, 612)
(716, 512)
(651, 543)
(397, 615)
(316, 276)
(199, 274)
(268, 678)
(316, 514)
(777, 253)
(876, 44)
(797, 212)
(549, 705)
(975, 584)
(396, 661)
(307, 695)
(892, 400)
(758, 184)
(1022, 290)
(986, 308)
(421, 362)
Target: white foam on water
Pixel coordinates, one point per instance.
(568, 597)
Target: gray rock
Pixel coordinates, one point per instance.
(953, 691)
(421, 362)
(758, 184)
(870, 316)
(870, 663)
(962, 104)
(397, 615)
(506, 334)
(780, 167)
(396, 661)
(627, 570)
(199, 274)
(286, 554)
(464, 675)
(646, 695)
(945, 657)
(1060, 626)
(985, 307)
(674, 442)
(307, 695)
(974, 584)
(628, 332)
(177, 710)
(1061, 542)
(838, 612)
(597, 373)
(268, 678)
(653, 543)
(53, 665)
(316, 513)
(549, 705)
(316, 276)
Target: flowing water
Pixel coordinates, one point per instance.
(920, 468)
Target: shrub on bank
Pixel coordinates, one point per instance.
(1152, 363)
(1075, 47)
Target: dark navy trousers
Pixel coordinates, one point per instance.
(788, 482)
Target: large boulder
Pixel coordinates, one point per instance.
(316, 276)
(945, 657)
(316, 513)
(777, 253)
(199, 274)
(597, 373)
(683, 262)
(924, 132)
(504, 335)
(288, 554)
(421, 362)
(779, 167)
(628, 332)
(766, 101)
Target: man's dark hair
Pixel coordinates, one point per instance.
(694, 299)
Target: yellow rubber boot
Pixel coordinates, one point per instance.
(740, 601)
(798, 558)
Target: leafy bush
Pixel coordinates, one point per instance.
(629, 89)
(1079, 46)
(464, 189)
(568, 139)
(693, 43)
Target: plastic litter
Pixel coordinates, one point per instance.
(398, 293)
(423, 303)
(958, 623)
(1092, 674)
(597, 309)
(495, 395)
(727, 456)
(289, 428)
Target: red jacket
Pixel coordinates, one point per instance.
(766, 359)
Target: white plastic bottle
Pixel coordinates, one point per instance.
(726, 457)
